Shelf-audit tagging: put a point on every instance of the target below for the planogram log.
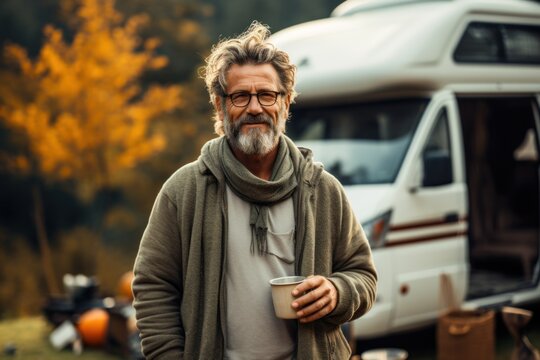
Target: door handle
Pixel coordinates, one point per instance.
(451, 217)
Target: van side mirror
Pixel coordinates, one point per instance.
(437, 168)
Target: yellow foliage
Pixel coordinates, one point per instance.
(188, 30)
(18, 55)
(14, 163)
(86, 115)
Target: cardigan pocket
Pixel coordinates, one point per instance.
(281, 245)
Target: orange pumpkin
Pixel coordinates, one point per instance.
(124, 286)
(93, 326)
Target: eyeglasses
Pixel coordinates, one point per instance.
(242, 98)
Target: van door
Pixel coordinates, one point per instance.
(429, 235)
(500, 135)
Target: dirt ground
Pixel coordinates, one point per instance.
(29, 336)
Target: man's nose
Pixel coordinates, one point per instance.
(254, 107)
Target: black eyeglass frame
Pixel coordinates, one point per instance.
(275, 93)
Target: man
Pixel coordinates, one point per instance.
(252, 207)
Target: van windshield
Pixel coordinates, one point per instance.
(363, 143)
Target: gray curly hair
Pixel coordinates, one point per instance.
(251, 47)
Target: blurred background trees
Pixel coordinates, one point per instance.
(80, 112)
(99, 103)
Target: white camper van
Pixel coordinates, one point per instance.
(428, 113)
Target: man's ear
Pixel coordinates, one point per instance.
(218, 106)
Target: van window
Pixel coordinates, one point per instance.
(499, 43)
(436, 156)
(362, 143)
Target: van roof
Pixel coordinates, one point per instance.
(370, 46)
(351, 7)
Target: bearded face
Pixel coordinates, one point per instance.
(255, 140)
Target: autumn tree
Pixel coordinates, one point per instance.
(79, 108)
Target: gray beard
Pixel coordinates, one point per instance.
(255, 141)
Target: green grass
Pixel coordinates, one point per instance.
(31, 338)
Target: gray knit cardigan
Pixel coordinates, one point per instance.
(179, 279)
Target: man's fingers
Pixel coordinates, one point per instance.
(318, 299)
(310, 297)
(315, 316)
(314, 306)
(308, 284)
(316, 311)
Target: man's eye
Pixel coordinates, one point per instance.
(267, 96)
(240, 96)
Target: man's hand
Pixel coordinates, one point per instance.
(319, 299)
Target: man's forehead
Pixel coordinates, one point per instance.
(258, 74)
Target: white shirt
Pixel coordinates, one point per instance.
(253, 330)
